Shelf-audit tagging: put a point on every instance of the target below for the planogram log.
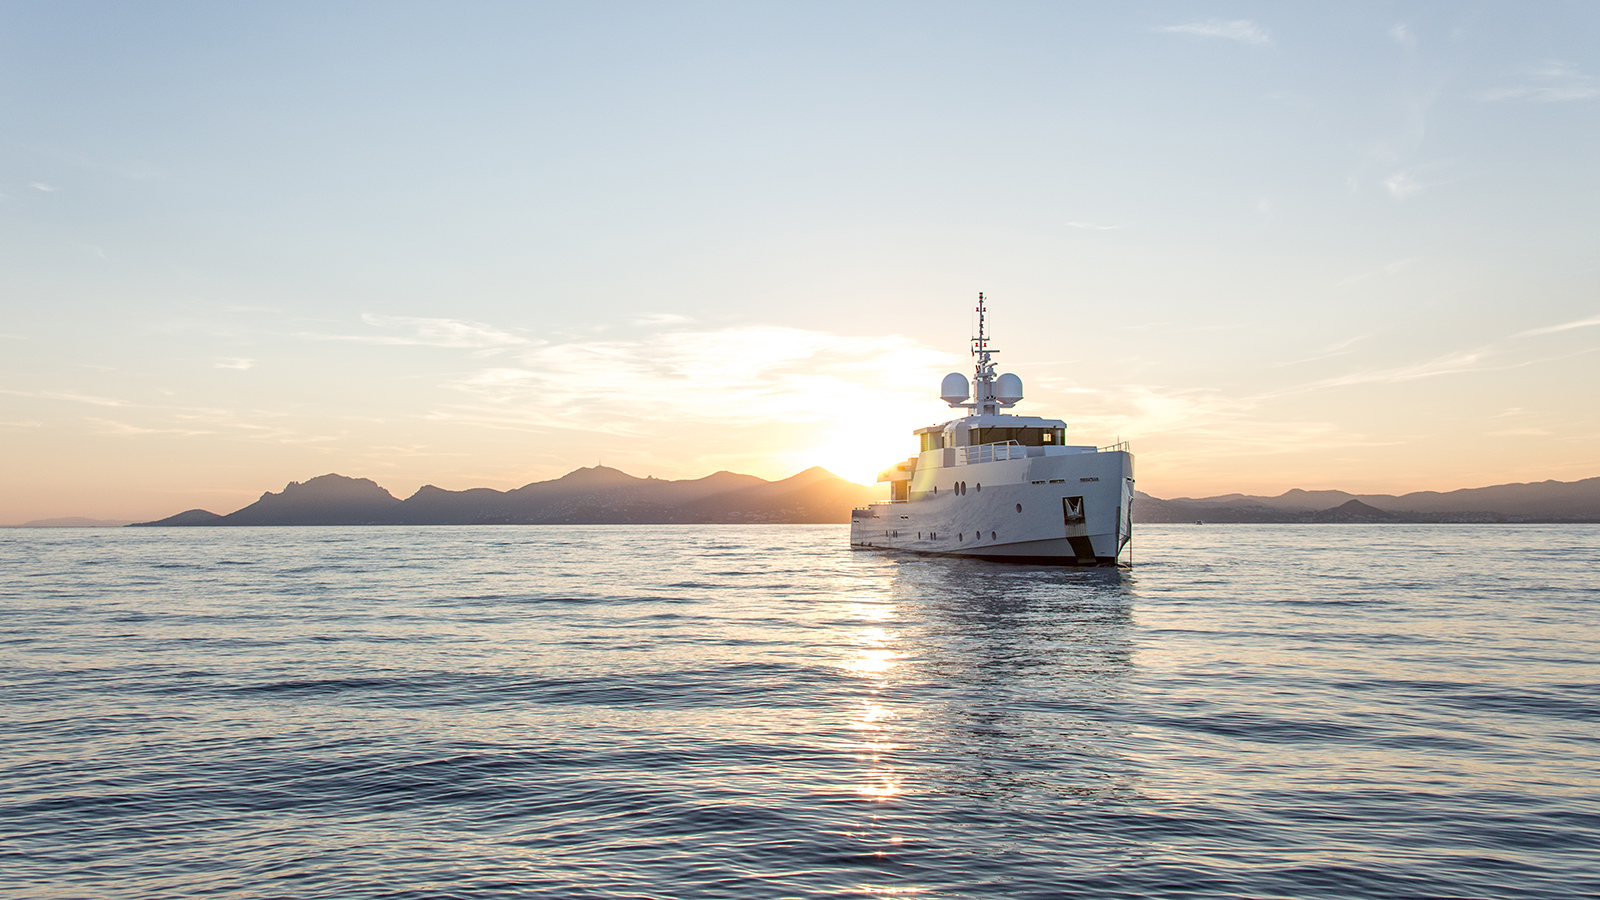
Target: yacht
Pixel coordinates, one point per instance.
(1002, 487)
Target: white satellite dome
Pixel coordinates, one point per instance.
(954, 388)
(1008, 389)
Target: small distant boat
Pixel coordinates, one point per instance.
(1198, 522)
(996, 486)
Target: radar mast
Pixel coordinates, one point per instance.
(983, 398)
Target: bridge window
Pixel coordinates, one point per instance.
(1028, 437)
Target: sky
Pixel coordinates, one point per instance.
(1316, 245)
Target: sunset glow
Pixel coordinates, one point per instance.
(1313, 247)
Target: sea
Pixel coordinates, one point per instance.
(1261, 711)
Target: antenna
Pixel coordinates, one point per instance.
(981, 342)
(989, 396)
(984, 402)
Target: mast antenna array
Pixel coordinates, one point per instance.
(988, 394)
(983, 375)
(980, 345)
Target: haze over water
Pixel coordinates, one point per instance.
(1356, 711)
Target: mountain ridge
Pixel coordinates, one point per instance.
(586, 496)
(600, 495)
(1538, 501)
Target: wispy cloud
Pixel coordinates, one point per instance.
(251, 424)
(1408, 183)
(1388, 270)
(1241, 30)
(445, 332)
(41, 186)
(69, 396)
(1565, 326)
(1446, 364)
(427, 332)
(1091, 226)
(1489, 358)
(1420, 85)
(111, 426)
(76, 397)
(1551, 81)
(1209, 424)
(1337, 348)
(745, 374)
(1214, 424)
(1346, 344)
(1402, 185)
(660, 319)
(235, 363)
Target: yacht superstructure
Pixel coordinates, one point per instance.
(1003, 487)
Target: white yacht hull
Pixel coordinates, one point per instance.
(1058, 506)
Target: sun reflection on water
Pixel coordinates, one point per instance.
(873, 656)
(875, 653)
(873, 662)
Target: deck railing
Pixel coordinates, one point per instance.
(1000, 450)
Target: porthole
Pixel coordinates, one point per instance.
(1019, 507)
(980, 486)
(994, 536)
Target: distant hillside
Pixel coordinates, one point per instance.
(599, 495)
(589, 496)
(1544, 501)
(324, 500)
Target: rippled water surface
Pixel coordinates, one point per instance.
(1261, 711)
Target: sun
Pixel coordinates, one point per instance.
(863, 455)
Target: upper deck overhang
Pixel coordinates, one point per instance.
(1000, 421)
